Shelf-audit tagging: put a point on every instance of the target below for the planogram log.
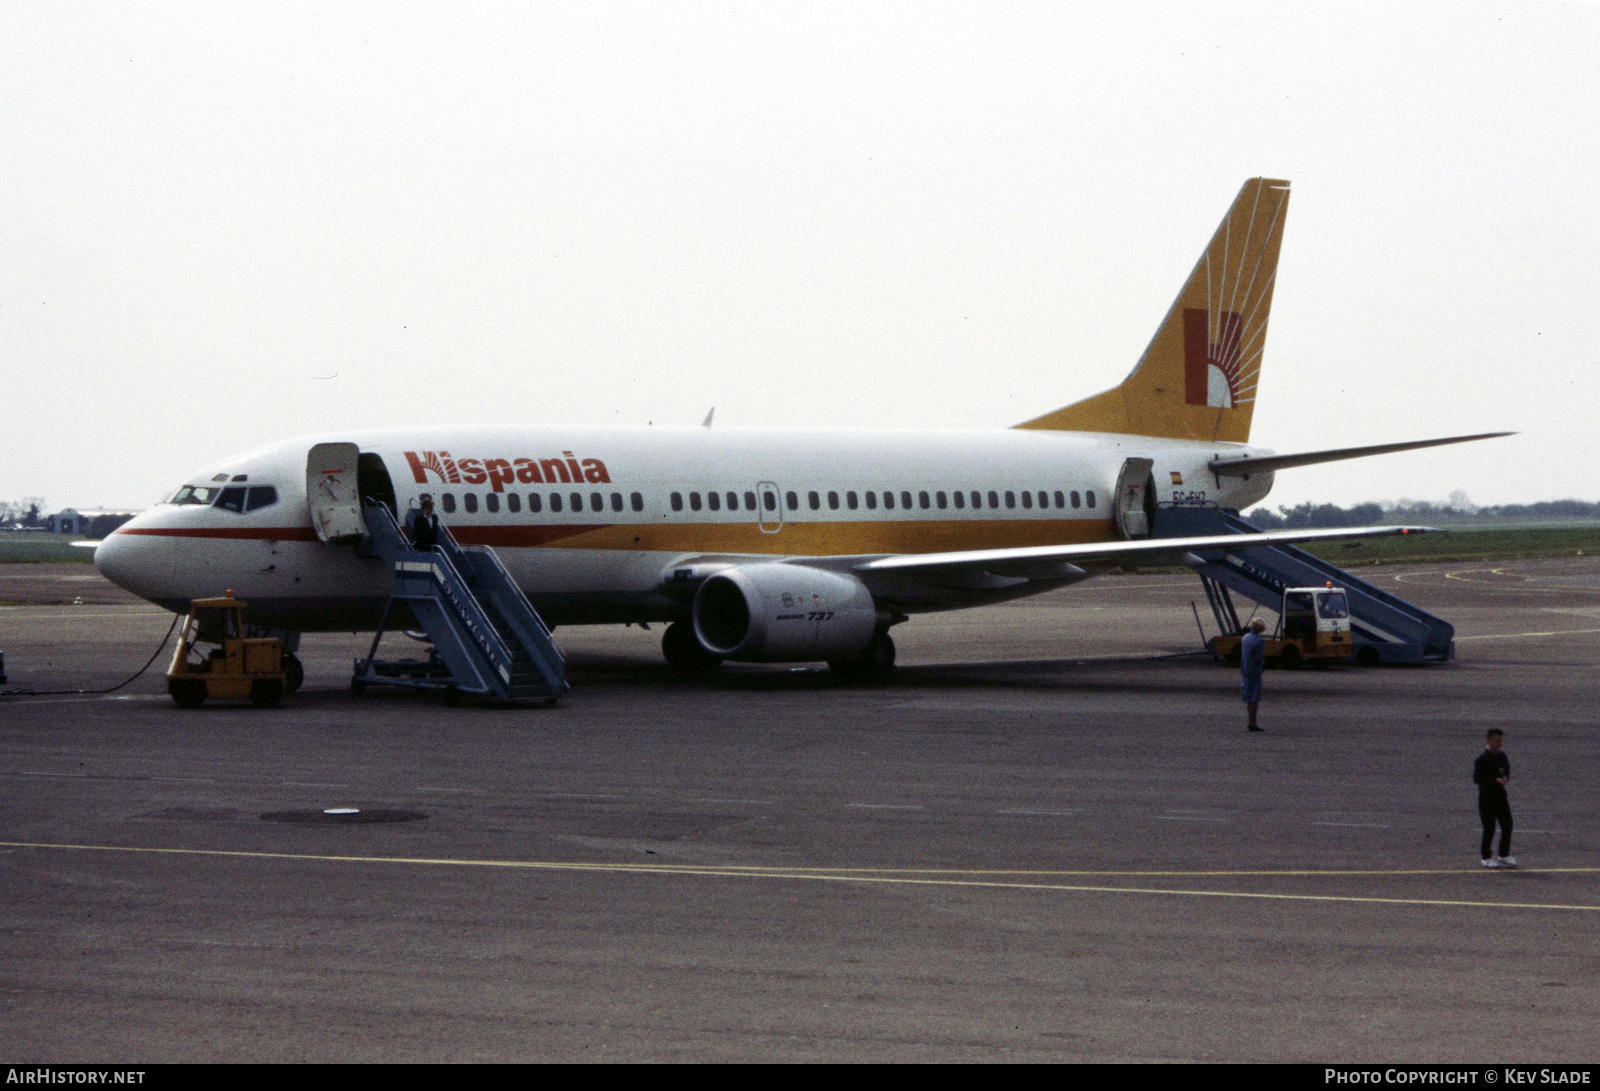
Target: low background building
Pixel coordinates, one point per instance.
(96, 523)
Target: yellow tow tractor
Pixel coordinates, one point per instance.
(238, 667)
(1313, 627)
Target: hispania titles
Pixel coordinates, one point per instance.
(497, 473)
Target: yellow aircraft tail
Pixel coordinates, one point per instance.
(1197, 379)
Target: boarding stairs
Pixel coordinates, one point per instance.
(486, 638)
(1383, 627)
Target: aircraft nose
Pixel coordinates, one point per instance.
(136, 563)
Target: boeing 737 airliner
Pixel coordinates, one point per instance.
(765, 544)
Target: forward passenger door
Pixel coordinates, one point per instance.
(332, 475)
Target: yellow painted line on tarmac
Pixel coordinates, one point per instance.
(72, 613)
(1289, 873)
(1464, 575)
(848, 875)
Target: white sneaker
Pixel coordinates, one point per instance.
(1507, 861)
(1491, 861)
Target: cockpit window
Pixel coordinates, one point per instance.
(194, 494)
(232, 499)
(260, 497)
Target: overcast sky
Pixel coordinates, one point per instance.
(911, 216)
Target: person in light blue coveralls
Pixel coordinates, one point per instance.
(1252, 661)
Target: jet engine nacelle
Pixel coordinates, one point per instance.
(783, 613)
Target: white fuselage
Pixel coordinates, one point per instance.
(602, 516)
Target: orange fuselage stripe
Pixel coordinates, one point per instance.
(829, 538)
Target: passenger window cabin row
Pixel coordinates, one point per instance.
(850, 500)
(559, 502)
(906, 500)
(957, 499)
(713, 501)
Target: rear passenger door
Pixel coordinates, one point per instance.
(1135, 498)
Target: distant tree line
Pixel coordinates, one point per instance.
(1458, 510)
(27, 512)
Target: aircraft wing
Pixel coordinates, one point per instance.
(1036, 560)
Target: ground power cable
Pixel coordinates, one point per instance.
(92, 692)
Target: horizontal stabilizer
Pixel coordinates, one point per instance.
(1239, 467)
(1148, 551)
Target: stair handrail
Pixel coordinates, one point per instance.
(543, 647)
(389, 532)
(454, 549)
(520, 598)
(455, 585)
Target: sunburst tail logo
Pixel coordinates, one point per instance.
(1198, 377)
(1211, 358)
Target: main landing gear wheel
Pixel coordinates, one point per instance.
(294, 675)
(683, 651)
(875, 663)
